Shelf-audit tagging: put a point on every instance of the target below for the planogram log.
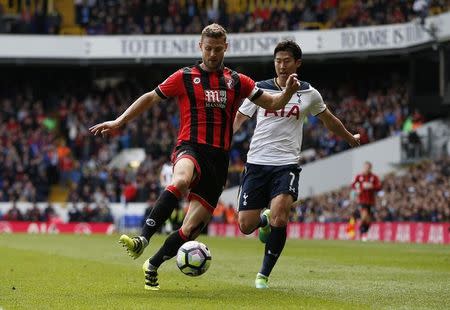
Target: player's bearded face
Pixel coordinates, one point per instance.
(285, 65)
(213, 51)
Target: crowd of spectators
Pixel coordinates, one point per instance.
(44, 146)
(99, 213)
(46, 141)
(32, 214)
(30, 19)
(190, 16)
(417, 193)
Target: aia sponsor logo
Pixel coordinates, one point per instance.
(294, 111)
(82, 229)
(215, 98)
(5, 227)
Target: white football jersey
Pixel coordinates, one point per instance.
(277, 139)
(166, 174)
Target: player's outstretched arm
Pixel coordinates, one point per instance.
(335, 125)
(239, 119)
(276, 102)
(142, 104)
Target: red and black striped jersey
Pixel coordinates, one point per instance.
(366, 185)
(208, 103)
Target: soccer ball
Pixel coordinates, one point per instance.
(193, 258)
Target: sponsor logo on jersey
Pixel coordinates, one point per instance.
(294, 112)
(197, 80)
(215, 98)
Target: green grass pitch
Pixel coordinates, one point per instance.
(93, 272)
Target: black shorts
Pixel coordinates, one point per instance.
(261, 183)
(211, 166)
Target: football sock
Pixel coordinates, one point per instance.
(364, 227)
(166, 203)
(169, 249)
(274, 246)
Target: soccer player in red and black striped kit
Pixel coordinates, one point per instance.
(209, 96)
(366, 184)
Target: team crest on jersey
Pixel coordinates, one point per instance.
(197, 80)
(215, 98)
(230, 83)
(299, 100)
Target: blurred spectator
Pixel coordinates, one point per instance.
(74, 214)
(420, 7)
(33, 214)
(219, 213)
(230, 214)
(13, 214)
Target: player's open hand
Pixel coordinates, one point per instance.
(104, 128)
(292, 84)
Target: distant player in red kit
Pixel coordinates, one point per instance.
(208, 96)
(366, 184)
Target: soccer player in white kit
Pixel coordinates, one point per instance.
(271, 175)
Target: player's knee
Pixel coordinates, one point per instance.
(192, 231)
(279, 220)
(182, 183)
(246, 227)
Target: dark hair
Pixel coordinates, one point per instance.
(214, 31)
(289, 46)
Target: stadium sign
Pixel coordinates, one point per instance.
(436, 233)
(163, 47)
(56, 228)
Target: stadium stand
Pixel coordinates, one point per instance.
(95, 17)
(48, 155)
(45, 144)
(417, 193)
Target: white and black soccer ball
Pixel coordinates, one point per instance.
(193, 258)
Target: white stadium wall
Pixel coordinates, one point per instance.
(162, 47)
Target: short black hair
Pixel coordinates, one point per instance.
(289, 46)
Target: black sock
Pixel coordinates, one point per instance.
(169, 249)
(274, 246)
(364, 227)
(163, 208)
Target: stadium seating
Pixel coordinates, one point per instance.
(48, 152)
(417, 193)
(190, 16)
